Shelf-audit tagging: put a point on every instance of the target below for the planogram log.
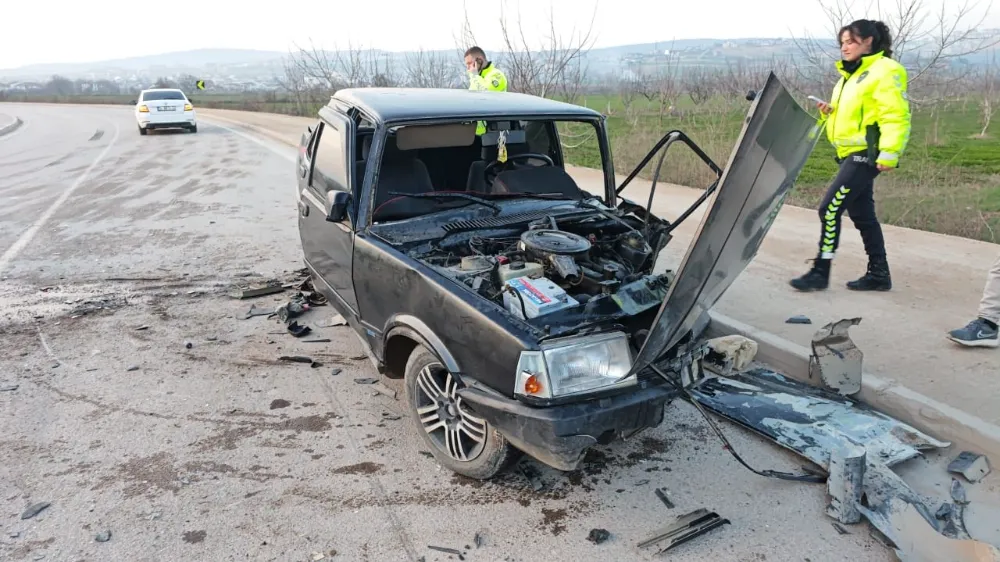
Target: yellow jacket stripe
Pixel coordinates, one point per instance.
(871, 110)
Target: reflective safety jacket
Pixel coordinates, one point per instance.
(491, 79)
(871, 110)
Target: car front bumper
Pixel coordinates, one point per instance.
(560, 435)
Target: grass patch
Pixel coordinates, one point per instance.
(949, 180)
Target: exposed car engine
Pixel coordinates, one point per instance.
(547, 269)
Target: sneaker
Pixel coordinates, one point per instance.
(875, 279)
(977, 334)
(816, 279)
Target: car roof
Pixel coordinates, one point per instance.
(412, 104)
(163, 90)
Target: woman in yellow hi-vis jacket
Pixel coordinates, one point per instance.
(868, 122)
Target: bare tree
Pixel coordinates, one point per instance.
(990, 93)
(540, 70)
(427, 69)
(926, 42)
(699, 84)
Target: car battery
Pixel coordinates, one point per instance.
(540, 297)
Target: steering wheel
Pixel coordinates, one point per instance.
(489, 175)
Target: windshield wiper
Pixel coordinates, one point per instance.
(465, 196)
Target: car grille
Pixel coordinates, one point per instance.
(506, 220)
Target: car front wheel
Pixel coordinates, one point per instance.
(459, 440)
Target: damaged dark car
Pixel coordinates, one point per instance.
(524, 312)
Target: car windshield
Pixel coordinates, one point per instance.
(511, 159)
(163, 95)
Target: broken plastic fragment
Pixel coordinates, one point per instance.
(835, 359)
(970, 465)
(729, 354)
(256, 290)
(846, 483)
(597, 536)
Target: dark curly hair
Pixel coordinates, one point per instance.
(877, 30)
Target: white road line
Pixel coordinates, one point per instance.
(30, 234)
(267, 145)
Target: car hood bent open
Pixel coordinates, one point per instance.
(777, 139)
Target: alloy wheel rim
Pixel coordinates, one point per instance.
(451, 427)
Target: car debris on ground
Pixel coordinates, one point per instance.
(687, 527)
(447, 550)
(250, 291)
(663, 498)
(598, 536)
(34, 509)
(835, 359)
(970, 465)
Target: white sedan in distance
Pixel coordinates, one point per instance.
(164, 108)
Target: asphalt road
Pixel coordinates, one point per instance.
(216, 450)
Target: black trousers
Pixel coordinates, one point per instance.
(853, 190)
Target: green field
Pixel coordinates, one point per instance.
(948, 182)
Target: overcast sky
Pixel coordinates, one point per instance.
(40, 32)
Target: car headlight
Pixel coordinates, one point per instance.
(575, 365)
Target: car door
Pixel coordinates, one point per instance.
(328, 245)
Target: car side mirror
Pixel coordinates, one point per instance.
(133, 102)
(339, 202)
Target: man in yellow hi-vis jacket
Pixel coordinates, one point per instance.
(868, 122)
(483, 75)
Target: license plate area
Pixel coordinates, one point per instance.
(166, 108)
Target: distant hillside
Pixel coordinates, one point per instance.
(183, 61)
(255, 64)
(221, 59)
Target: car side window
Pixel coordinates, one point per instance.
(330, 171)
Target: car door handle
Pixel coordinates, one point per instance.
(303, 208)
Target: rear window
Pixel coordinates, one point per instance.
(168, 95)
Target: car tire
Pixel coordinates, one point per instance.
(485, 457)
(142, 131)
(193, 128)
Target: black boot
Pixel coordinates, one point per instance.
(816, 279)
(875, 279)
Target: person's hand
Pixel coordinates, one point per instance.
(825, 108)
(883, 167)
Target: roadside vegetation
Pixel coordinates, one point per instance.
(949, 181)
